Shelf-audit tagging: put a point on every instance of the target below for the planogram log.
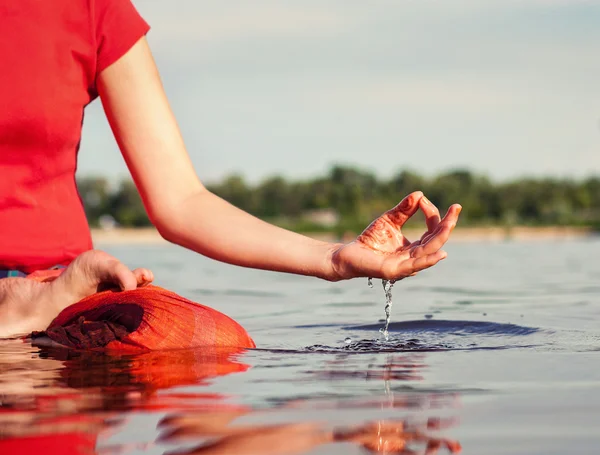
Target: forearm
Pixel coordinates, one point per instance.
(147, 133)
(211, 226)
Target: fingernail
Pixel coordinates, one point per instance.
(425, 200)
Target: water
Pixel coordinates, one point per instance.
(496, 349)
(387, 290)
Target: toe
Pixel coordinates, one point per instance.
(143, 276)
(123, 277)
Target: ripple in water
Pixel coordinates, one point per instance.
(377, 345)
(441, 327)
(435, 335)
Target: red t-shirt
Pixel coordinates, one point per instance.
(51, 53)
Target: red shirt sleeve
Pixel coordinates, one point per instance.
(118, 26)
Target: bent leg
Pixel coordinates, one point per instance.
(23, 304)
(27, 304)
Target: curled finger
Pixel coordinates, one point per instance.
(411, 266)
(432, 215)
(436, 242)
(451, 218)
(439, 237)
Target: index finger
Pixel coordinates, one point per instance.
(433, 242)
(405, 209)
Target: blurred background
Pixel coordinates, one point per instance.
(318, 115)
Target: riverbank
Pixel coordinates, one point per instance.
(461, 234)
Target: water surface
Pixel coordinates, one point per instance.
(496, 349)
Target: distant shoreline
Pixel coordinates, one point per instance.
(150, 236)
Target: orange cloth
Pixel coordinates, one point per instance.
(154, 319)
(45, 275)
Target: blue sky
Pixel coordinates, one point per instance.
(503, 87)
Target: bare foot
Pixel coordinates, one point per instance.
(27, 305)
(95, 271)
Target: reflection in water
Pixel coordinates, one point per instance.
(396, 367)
(66, 398)
(384, 436)
(219, 435)
(69, 401)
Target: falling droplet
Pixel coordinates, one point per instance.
(370, 282)
(387, 288)
(348, 340)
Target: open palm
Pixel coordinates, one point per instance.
(382, 250)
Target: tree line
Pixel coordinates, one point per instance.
(350, 198)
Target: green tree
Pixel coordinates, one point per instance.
(127, 207)
(95, 196)
(235, 190)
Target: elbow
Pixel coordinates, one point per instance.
(166, 233)
(173, 217)
(167, 227)
(165, 222)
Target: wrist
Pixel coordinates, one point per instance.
(331, 268)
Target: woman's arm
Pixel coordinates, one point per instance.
(186, 213)
(178, 205)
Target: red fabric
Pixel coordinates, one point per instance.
(160, 370)
(157, 319)
(51, 53)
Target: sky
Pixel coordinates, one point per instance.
(506, 88)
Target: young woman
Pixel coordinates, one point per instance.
(59, 56)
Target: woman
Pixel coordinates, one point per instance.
(58, 57)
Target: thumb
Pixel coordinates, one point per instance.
(120, 275)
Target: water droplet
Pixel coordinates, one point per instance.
(485, 314)
(348, 340)
(387, 288)
(370, 282)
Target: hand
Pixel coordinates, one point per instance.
(95, 270)
(397, 437)
(382, 251)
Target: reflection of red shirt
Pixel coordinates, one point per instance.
(51, 53)
(52, 444)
